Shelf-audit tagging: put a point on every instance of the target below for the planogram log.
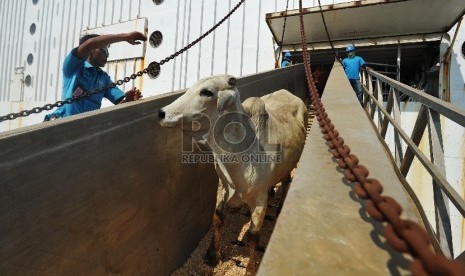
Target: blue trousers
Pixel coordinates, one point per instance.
(357, 86)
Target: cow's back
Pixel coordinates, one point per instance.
(284, 105)
(287, 126)
(286, 109)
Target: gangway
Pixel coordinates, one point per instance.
(323, 227)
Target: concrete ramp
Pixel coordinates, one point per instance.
(323, 228)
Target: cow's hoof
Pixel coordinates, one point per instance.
(211, 258)
(247, 214)
(238, 243)
(250, 271)
(234, 210)
(269, 218)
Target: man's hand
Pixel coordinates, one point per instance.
(135, 37)
(132, 95)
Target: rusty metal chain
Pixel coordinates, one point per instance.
(403, 235)
(153, 70)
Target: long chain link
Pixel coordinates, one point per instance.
(152, 70)
(403, 235)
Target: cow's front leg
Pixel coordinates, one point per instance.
(213, 254)
(253, 234)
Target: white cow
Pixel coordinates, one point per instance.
(255, 145)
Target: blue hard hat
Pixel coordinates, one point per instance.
(350, 48)
(287, 55)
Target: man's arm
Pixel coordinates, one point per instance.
(365, 67)
(84, 50)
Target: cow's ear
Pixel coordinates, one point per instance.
(226, 99)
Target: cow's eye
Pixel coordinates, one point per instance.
(206, 93)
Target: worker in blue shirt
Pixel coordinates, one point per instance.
(286, 60)
(82, 73)
(352, 64)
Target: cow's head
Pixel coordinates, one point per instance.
(201, 105)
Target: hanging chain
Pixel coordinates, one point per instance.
(153, 70)
(327, 33)
(202, 36)
(86, 94)
(403, 235)
(284, 28)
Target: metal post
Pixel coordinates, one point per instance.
(398, 60)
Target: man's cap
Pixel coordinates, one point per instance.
(350, 48)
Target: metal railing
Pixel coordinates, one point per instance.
(386, 68)
(429, 114)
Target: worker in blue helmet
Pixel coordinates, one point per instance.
(286, 59)
(352, 64)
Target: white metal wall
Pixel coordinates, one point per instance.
(454, 134)
(36, 35)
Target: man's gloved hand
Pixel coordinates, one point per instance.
(135, 37)
(133, 95)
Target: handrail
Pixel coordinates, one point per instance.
(449, 110)
(459, 203)
(428, 115)
(382, 64)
